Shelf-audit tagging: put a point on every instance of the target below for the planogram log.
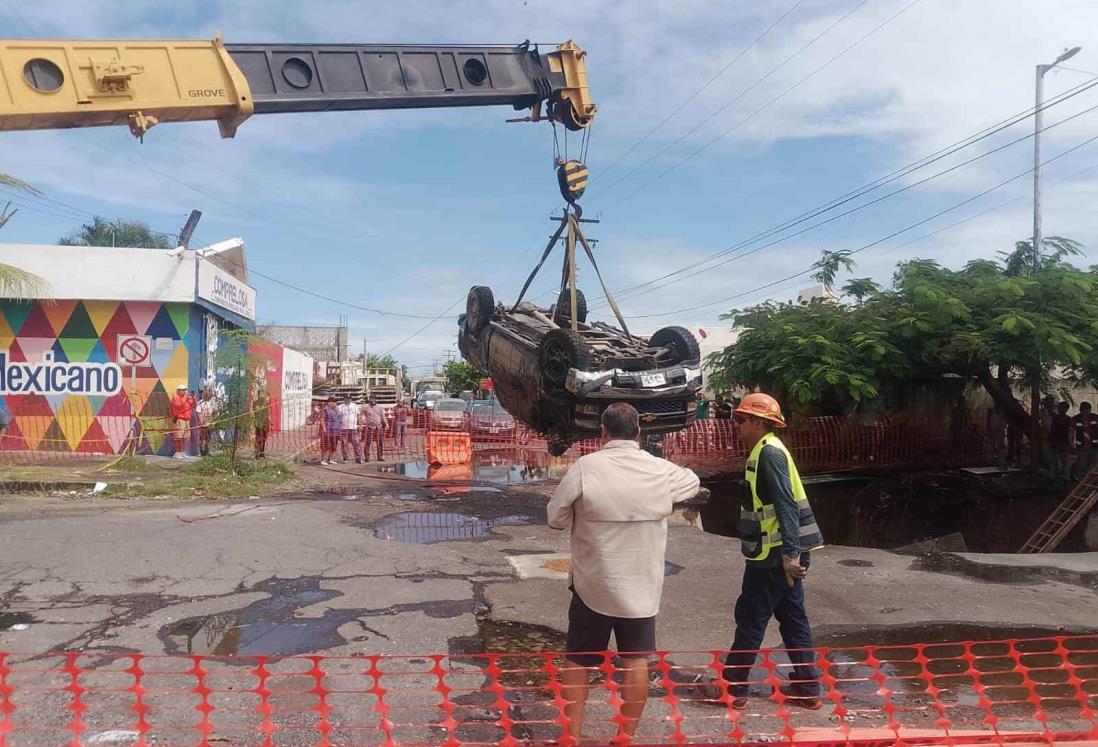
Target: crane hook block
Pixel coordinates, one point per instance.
(572, 178)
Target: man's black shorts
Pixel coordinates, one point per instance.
(589, 631)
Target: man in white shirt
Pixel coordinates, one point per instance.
(348, 429)
(206, 410)
(616, 503)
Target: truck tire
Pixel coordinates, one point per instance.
(558, 351)
(564, 308)
(557, 442)
(479, 307)
(679, 342)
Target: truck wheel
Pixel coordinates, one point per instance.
(556, 442)
(680, 343)
(560, 350)
(564, 308)
(479, 307)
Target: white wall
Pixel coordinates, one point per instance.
(106, 273)
(297, 388)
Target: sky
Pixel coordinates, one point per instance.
(717, 123)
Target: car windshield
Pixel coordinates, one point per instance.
(488, 408)
(450, 405)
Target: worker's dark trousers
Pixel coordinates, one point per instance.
(766, 592)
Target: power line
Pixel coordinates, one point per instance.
(699, 91)
(424, 328)
(879, 182)
(951, 225)
(861, 191)
(892, 235)
(739, 96)
(764, 107)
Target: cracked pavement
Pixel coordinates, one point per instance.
(309, 575)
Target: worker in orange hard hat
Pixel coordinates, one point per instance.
(778, 531)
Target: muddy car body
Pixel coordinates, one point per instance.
(558, 380)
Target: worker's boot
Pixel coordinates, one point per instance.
(797, 697)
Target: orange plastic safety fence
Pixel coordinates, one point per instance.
(825, 444)
(1031, 691)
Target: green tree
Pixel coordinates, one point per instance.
(102, 232)
(988, 322)
(379, 361)
(828, 265)
(16, 282)
(240, 371)
(860, 288)
(460, 376)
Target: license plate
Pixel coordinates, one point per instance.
(655, 379)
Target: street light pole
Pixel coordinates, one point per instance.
(1038, 239)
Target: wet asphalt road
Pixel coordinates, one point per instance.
(402, 569)
(405, 569)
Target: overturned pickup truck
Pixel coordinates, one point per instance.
(558, 381)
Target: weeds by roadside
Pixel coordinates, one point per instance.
(213, 477)
(128, 463)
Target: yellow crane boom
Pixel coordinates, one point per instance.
(51, 84)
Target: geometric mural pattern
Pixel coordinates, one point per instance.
(87, 332)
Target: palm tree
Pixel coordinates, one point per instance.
(860, 288)
(14, 281)
(11, 181)
(828, 265)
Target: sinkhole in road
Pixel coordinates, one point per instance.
(429, 527)
(915, 512)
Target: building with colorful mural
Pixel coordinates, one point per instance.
(91, 365)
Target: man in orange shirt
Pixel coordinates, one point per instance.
(181, 408)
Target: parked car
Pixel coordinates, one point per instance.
(558, 381)
(448, 414)
(426, 400)
(488, 420)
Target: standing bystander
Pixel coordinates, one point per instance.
(401, 415)
(1059, 441)
(348, 429)
(261, 421)
(1085, 425)
(372, 418)
(206, 412)
(181, 408)
(329, 431)
(615, 502)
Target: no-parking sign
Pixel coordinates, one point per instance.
(134, 350)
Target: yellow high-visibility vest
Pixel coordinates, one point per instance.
(760, 530)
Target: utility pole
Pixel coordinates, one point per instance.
(1035, 435)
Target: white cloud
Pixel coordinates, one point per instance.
(939, 72)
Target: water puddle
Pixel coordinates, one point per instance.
(428, 527)
(17, 620)
(269, 626)
(509, 467)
